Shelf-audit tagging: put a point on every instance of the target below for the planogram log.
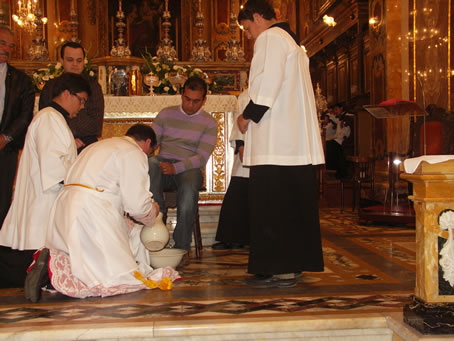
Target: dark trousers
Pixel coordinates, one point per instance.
(13, 266)
(335, 158)
(8, 167)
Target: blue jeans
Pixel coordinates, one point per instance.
(187, 185)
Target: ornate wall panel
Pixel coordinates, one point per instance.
(342, 80)
(430, 44)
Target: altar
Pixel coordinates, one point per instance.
(120, 112)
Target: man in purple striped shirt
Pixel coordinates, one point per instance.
(186, 135)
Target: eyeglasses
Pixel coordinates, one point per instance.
(82, 100)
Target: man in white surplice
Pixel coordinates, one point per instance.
(49, 151)
(92, 250)
(282, 148)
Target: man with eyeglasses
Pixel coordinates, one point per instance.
(87, 126)
(16, 112)
(49, 151)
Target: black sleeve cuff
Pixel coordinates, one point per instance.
(254, 111)
(238, 144)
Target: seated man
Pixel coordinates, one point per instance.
(92, 250)
(335, 158)
(48, 153)
(186, 135)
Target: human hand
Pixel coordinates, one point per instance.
(79, 143)
(167, 168)
(3, 141)
(242, 123)
(241, 152)
(156, 207)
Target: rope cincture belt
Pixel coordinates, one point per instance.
(85, 186)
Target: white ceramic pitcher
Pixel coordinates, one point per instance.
(155, 237)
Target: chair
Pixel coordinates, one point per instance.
(363, 172)
(170, 199)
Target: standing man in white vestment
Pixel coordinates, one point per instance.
(91, 250)
(48, 153)
(282, 147)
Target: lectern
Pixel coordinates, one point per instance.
(398, 115)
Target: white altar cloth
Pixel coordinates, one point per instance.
(149, 106)
(410, 165)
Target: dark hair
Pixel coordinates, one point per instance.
(71, 44)
(142, 132)
(262, 7)
(196, 83)
(72, 82)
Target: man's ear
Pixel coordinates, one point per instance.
(257, 17)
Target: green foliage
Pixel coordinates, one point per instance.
(165, 69)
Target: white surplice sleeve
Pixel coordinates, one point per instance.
(134, 183)
(267, 68)
(55, 148)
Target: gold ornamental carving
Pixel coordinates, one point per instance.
(219, 153)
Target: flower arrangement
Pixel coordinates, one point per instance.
(41, 76)
(165, 70)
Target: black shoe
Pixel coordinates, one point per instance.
(257, 279)
(38, 277)
(269, 281)
(221, 246)
(238, 246)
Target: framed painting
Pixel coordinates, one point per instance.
(143, 19)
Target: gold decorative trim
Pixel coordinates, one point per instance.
(219, 155)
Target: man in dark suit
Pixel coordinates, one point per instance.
(17, 98)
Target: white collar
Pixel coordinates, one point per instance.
(194, 114)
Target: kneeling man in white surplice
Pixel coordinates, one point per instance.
(91, 249)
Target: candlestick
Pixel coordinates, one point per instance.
(167, 5)
(119, 5)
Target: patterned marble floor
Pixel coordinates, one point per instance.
(368, 270)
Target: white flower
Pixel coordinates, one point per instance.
(35, 75)
(91, 73)
(58, 66)
(166, 88)
(174, 87)
(198, 70)
(45, 78)
(51, 76)
(85, 61)
(158, 68)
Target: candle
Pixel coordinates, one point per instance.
(167, 5)
(119, 5)
(200, 5)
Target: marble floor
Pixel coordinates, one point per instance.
(369, 276)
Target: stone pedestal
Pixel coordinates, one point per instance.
(433, 192)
